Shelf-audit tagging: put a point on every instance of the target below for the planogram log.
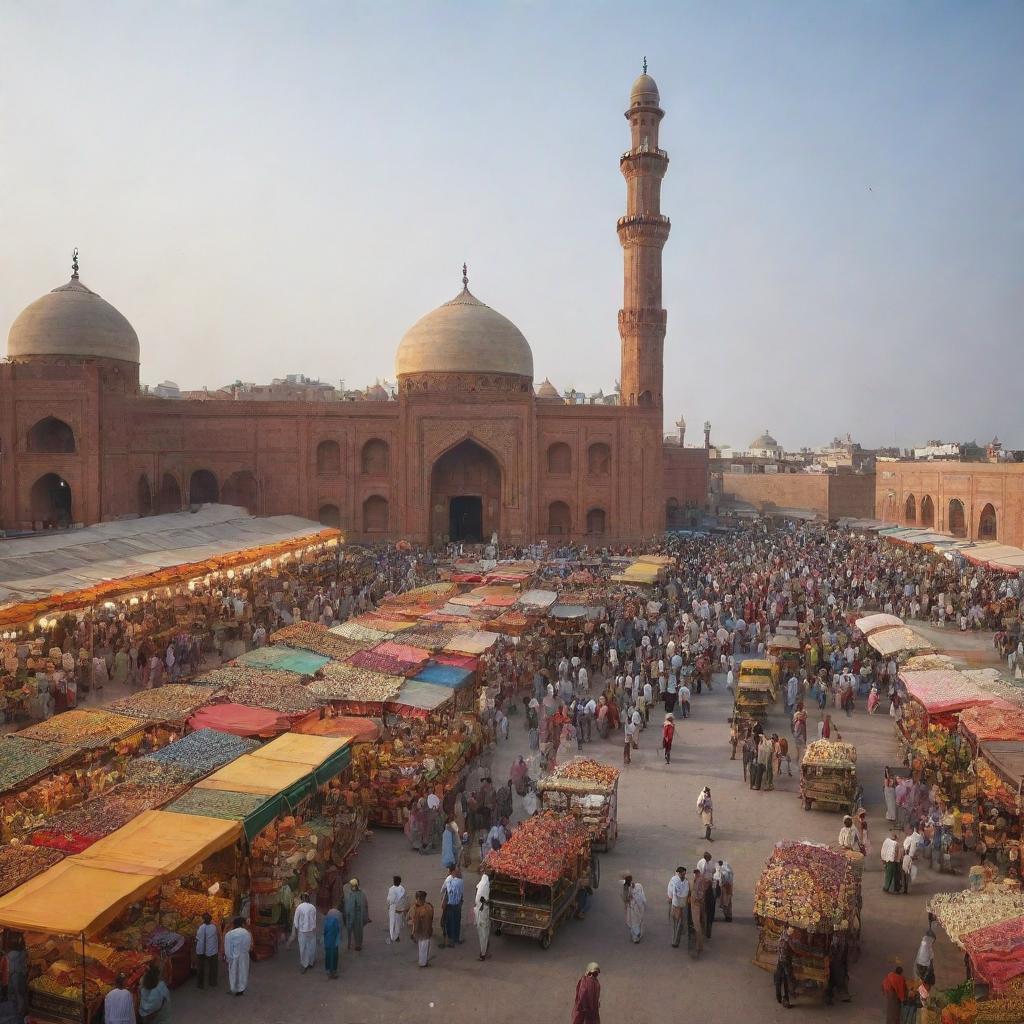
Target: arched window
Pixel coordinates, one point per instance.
(144, 496)
(599, 459)
(328, 458)
(559, 518)
(910, 510)
(674, 517)
(927, 511)
(560, 458)
(241, 489)
(646, 399)
(329, 515)
(51, 501)
(596, 520)
(51, 435)
(375, 514)
(956, 522)
(375, 457)
(170, 494)
(987, 524)
(202, 488)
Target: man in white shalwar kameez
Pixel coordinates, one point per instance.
(482, 911)
(237, 946)
(398, 906)
(304, 927)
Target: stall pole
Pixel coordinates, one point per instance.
(85, 1008)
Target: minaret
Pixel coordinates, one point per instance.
(643, 233)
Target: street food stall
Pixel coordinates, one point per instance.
(828, 777)
(536, 876)
(816, 892)
(588, 790)
(785, 651)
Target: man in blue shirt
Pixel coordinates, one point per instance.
(451, 908)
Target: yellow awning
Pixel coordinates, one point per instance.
(161, 843)
(297, 748)
(259, 775)
(71, 898)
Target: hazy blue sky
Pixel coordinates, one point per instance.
(265, 188)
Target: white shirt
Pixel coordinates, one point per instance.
(678, 891)
(912, 842)
(889, 851)
(118, 1007)
(207, 940)
(685, 693)
(706, 867)
(630, 729)
(237, 942)
(591, 707)
(396, 894)
(305, 918)
(483, 892)
(648, 693)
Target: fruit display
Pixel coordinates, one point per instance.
(20, 863)
(825, 752)
(593, 774)
(810, 887)
(962, 912)
(197, 755)
(173, 702)
(542, 850)
(349, 682)
(311, 636)
(22, 759)
(85, 729)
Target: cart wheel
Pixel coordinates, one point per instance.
(545, 940)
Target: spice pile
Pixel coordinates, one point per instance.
(542, 850)
(810, 887)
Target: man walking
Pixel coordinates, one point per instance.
(304, 927)
(397, 904)
(452, 892)
(237, 947)
(207, 951)
(421, 924)
(482, 910)
(678, 896)
(891, 856)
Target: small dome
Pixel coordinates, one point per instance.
(547, 390)
(644, 92)
(464, 336)
(72, 321)
(765, 440)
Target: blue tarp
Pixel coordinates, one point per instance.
(444, 675)
(201, 753)
(288, 659)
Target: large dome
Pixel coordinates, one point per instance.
(464, 336)
(72, 321)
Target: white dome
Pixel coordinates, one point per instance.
(464, 336)
(72, 321)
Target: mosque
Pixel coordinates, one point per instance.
(465, 448)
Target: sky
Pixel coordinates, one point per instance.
(270, 188)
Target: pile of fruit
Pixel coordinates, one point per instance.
(825, 752)
(808, 886)
(171, 703)
(967, 911)
(542, 850)
(311, 636)
(593, 773)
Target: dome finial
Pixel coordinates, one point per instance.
(465, 277)
(74, 264)
(645, 64)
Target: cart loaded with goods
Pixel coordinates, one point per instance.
(816, 892)
(588, 790)
(828, 777)
(537, 875)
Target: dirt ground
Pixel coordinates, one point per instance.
(646, 982)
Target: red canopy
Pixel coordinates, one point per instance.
(361, 730)
(992, 722)
(240, 720)
(997, 951)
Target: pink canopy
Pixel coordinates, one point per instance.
(240, 720)
(945, 690)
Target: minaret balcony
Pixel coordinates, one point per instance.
(643, 228)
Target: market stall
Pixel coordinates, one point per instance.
(537, 874)
(588, 790)
(815, 891)
(191, 758)
(241, 720)
(828, 777)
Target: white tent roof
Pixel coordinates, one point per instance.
(60, 562)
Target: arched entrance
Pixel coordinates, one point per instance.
(51, 502)
(910, 510)
(170, 495)
(927, 511)
(465, 494)
(143, 496)
(956, 523)
(987, 524)
(202, 488)
(330, 515)
(241, 489)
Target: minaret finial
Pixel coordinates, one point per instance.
(74, 265)
(465, 277)
(645, 64)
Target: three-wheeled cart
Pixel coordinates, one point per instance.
(828, 777)
(536, 877)
(588, 790)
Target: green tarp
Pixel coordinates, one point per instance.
(286, 659)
